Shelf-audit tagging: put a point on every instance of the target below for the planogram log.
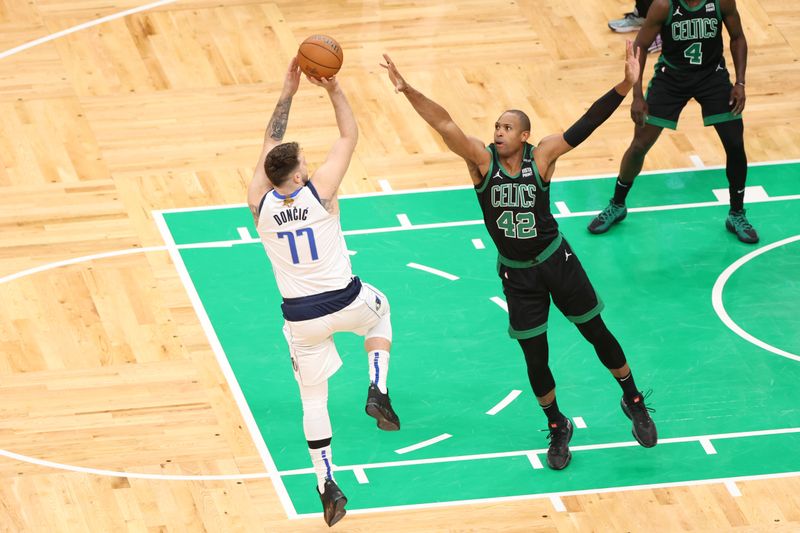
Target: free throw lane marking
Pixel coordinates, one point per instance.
(708, 447)
(432, 270)
(578, 421)
(536, 463)
(562, 208)
(499, 301)
(478, 244)
(361, 476)
(385, 185)
(244, 233)
(404, 222)
(510, 397)
(417, 446)
(755, 193)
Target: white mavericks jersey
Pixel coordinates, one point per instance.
(304, 243)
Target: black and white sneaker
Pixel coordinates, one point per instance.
(333, 502)
(558, 454)
(644, 429)
(379, 407)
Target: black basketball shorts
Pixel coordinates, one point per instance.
(528, 292)
(670, 89)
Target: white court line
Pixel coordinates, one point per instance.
(722, 313)
(404, 222)
(732, 488)
(755, 193)
(575, 178)
(499, 301)
(510, 397)
(361, 476)
(224, 365)
(244, 234)
(479, 222)
(562, 208)
(524, 497)
(62, 33)
(132, 475)
(470, 187)
(558, 505)
(57, 264)
(696, 161)
(708, 447)
(580, 448)
(578, 421)
(385, 185)
(536, 463)
(423, 444)
(74, 260)
(434, 271)
(478, 244)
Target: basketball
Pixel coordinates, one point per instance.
(320, 56)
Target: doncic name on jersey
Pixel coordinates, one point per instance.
(290, 215)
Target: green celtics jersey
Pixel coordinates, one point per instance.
(692, 36)
(516, 209)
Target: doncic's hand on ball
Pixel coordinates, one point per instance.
(320, 56)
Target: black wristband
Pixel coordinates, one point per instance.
(603, 108)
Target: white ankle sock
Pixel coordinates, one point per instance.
(378, 368)
(323, 465)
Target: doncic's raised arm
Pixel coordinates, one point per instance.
(471, 149)
(327, 178)
(552, 147)
(276, 128)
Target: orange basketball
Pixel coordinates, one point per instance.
(320, 56)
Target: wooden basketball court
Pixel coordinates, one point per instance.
(116, 413)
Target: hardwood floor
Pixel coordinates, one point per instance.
(104, 364)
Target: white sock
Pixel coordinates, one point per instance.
(322, 458)
(378, 368)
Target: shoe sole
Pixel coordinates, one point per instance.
(633, 431)
(730, 228)
(569, 459)
(624, 29)
(384, 423)
(338, 511)
(600, 232)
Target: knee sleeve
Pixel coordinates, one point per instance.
(536, 358)
(731, 134)
(316, 422)
(605, 344)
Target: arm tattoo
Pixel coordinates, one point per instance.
(277, 124)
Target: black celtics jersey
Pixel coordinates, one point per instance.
(516, 209)
(692, 36)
